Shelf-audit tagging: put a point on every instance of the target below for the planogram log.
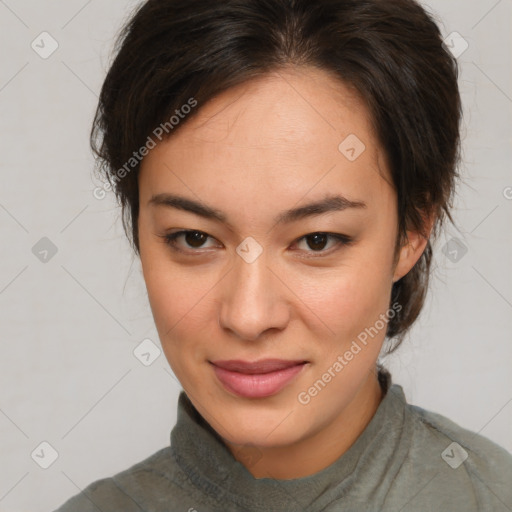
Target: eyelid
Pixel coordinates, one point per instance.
(342, 241)
(170, 240)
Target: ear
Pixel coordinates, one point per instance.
(412, 249)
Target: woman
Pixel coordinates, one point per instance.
(284, 166)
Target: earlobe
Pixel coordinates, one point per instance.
(411, 251)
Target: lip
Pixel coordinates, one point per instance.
(257, 379)
(261, 366)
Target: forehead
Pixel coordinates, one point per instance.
(283, 129)
(289, 104)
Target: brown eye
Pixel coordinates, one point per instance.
(318, 241)
(193, 239)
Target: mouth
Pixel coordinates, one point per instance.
(257, 379)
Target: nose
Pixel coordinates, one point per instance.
(253, 300)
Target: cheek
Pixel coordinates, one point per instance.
(178, 300)
(171, 293)
(177, 312)
(353, 297)
(182, 304)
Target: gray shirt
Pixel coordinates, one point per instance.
(407, 459)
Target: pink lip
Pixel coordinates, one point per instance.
(259, 379)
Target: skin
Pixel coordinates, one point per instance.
(254, 151)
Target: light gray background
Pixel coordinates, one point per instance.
(69, 326)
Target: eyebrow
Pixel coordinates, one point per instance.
(332, 203)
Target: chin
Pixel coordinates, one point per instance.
(254, 440)
(271, 431)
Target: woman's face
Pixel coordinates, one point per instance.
(260, 284)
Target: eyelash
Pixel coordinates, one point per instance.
(343, 240)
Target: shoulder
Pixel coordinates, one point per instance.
(480, 455)
(102, 495)
(452, 465)
(132, 490)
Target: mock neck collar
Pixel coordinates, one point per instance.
(206, 460)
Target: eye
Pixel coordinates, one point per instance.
(317, 241)
(195, 239)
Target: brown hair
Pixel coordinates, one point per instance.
(391, 51)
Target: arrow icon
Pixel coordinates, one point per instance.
(44, 45)
(351, 147)
(249, 249)
(454, 455)
(146, 352)
(44, 455)
(456, 44)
